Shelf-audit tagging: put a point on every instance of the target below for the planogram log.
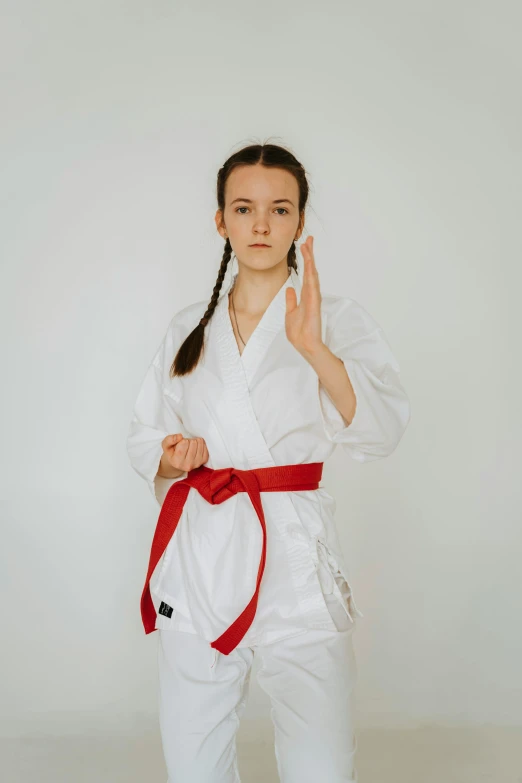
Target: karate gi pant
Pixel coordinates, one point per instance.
(309, 678)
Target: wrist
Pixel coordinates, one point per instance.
(315, 353)
(166, 471)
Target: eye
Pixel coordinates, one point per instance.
(277, 208)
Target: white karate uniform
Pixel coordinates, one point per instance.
(261, 408)
(310, 679)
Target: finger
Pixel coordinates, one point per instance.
(310, 292)
(182, 455)
(310, 270)
(191, 453)
(309, 257)
(170, 440)
(199, 451)
(181, 448)
(307, 248)
(291, 299)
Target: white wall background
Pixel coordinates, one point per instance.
(116, 118)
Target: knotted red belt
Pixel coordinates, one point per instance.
(216, 486)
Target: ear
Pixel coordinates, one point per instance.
(218, 219)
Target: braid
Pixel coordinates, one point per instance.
(189, 352)
(227, 253)
(291, 257)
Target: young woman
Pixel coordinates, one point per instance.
(244, 400)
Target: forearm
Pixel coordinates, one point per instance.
(332, 375)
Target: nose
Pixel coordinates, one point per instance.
(261, 226)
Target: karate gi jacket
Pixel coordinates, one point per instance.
(259, 408)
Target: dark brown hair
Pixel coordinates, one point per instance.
(269, 155)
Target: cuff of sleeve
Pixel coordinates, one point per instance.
(381, 415)
(158, 485)
(335, 426)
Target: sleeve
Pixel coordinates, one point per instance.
(382, 405)
(156, 414)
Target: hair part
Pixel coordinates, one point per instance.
(269, 155)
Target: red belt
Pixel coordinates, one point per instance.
(216, 486)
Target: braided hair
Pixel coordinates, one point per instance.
(190, 350)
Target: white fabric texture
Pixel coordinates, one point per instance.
(310, 680)
(261, 408)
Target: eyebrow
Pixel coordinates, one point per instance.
(276, 201)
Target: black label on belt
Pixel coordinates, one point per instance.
(165, 609)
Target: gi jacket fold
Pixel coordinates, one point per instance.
(261, 408)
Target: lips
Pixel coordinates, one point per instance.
(259, 244)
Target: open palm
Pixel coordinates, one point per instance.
(303, 320)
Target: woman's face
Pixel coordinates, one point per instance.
(261, 206)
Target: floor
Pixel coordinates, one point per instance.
(426, 755)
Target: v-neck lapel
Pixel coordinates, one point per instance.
(271, 322)
(246, 442)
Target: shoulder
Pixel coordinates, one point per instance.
(185, 320)
(190, 315)
(181, 324)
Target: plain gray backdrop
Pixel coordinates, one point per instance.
(116, 118)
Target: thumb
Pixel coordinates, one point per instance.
(171, 440)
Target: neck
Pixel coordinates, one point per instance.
(254, 289)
